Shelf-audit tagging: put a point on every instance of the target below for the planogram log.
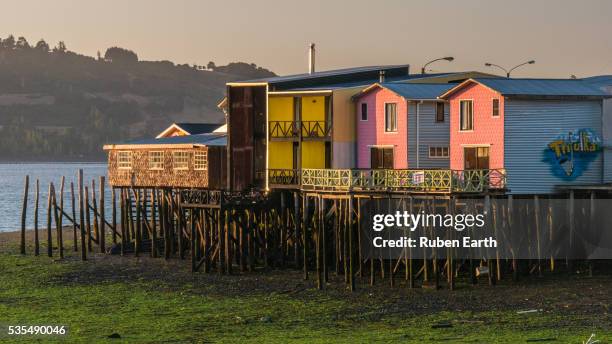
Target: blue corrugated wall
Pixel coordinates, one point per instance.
(530, 125)
(431, 134)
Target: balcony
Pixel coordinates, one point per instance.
(284, 178)
(296, 130)
(430, 181)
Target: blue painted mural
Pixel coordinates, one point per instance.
(571, 154)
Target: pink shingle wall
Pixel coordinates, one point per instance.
(488, 130)
(372, 132)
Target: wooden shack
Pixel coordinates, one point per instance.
(188, 161)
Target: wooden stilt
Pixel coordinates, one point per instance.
(75, 241)
(88, 220)
(350, 229)
(305, 234)
(102, 239)
(58, 227)
(81, 215)
(114, 214)
(36, 201)
(24, 209)
(49, 204)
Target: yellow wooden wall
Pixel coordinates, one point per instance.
(280, 153)
(313, 152)
(280, 108)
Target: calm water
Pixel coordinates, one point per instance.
(12, 178)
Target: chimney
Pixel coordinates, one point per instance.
(311, 59)
(381, 76)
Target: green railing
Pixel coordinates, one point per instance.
(391, 180)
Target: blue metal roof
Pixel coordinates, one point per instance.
(603, 82)
(208, 139)
(327, 73)
(418, 91)
(542, 87)
(198, 128)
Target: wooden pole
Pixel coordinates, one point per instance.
(102, 241)
(193, 240)
(96, 219)
(88, 220)
(319, 214)
(75, 240)
(153, 223)
(122, 205)
(36, 240)
(297, 235)
(536, 205)
(138, 233)
(180, 225)
(114, 215)
(58, 227)
(221, 239)
(350, 243)
(81, 215)
(305, 231)
(49, 239)
(24, 209)
(61, 203)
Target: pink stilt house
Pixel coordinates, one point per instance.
(402, 126)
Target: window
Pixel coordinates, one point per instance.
(390, 117)
(495, 107)
(466, 115)
(200, 160)
(156, 160)
(180, 160)
(476, 158)
(381, 157)
(124, 160)
(364, 111)
(438, 152)
(439, 112)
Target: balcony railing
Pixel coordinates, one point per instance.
(297, 129)
(445, 181)
(284, 177)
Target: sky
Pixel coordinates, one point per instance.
(564, 37)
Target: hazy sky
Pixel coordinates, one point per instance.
(564, 37)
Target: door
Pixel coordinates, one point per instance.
(381, 157)
(476, 158)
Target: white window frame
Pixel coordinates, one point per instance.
(127, 164)
(442, 156)
(187, 157)
(200, 154)
(385, 119)
(152, 165)
(460, 117)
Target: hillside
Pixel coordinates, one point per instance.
(56, 104)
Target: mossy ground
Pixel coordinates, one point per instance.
(156, 301)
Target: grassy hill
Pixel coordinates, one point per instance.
(56, 104)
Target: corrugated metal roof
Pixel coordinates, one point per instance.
(198, 128)
(208, 139)
(542, 87)
(603, 82)
(327, 73)
(418, 91)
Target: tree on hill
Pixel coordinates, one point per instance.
(116, 54)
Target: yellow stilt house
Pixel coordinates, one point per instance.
(299, 135)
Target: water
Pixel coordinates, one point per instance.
(12, 177)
